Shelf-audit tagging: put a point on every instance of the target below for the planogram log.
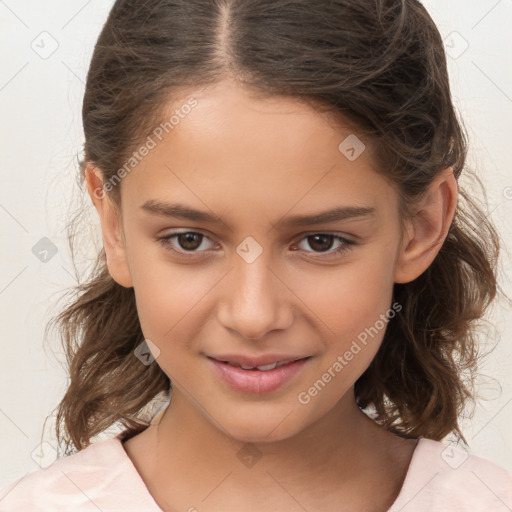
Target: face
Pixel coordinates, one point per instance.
(248, 281)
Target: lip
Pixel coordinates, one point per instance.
(257, 381)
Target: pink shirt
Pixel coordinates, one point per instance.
(102, 478)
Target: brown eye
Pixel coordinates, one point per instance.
(186, 243)
(189, 241)
(324, 243)
(320, 242)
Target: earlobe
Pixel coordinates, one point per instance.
(111, 228)
(427, 229)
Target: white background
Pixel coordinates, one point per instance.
(40, 101)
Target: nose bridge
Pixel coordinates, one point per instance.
(254, 303)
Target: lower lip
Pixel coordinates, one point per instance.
(256, 381)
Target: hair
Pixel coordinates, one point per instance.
(378, 64)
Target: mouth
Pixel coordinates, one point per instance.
(257, 376)
(263, 367)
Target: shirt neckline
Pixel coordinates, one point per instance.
(410, 475)
(135, 475)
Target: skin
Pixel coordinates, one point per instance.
(253, 162)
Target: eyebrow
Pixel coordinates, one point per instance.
(182, 211)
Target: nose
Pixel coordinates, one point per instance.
(255, 300)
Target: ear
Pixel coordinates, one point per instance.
(111, 227)
(427, 229)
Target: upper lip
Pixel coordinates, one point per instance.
(255, 361)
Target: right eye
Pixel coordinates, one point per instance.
(189, 241)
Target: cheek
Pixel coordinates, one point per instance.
(351, 311)
(168, 296)
(354, 311)
(350, 299)
(168, 306)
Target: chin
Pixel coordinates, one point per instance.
(251, 428)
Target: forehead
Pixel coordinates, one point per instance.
(237, 151)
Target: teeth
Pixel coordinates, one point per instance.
(262, 368)
(267, 367)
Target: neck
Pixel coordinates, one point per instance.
(343, 448)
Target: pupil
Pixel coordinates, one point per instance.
(324, 238)
(187, 240)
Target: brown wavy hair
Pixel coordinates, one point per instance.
(378, 64)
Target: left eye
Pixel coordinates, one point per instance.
(326, 239)
(190, 241)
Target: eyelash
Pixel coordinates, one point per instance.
(344, 248)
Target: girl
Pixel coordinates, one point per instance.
(289, 266)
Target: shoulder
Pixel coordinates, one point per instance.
(447, 478)
(99, 477)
